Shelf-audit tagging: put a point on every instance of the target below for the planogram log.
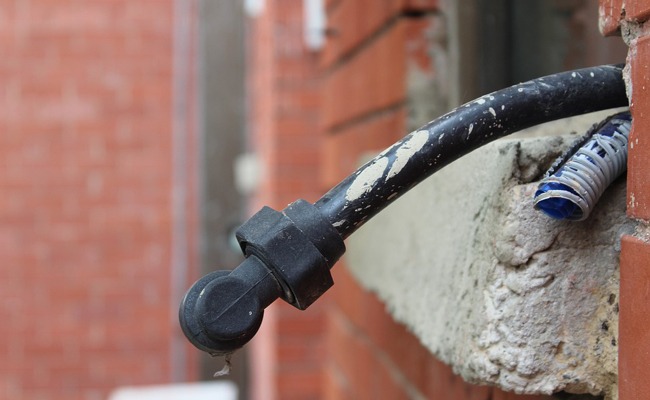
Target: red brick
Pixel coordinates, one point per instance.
(300, 384)
(353, 23)
(634, 304)
(352, 356)
(609, 17)
(301, 352)
(87, 130)
(342, 151)
(371, 81)
(637, 10)
(442, 383)
(638, 176)
(366, 317)
(285, 107)
(335, 385)
(300, 323)
(375, 79)
(387, 385)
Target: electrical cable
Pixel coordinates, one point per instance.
(405, 164)
(289, 253)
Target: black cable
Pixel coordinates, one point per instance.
(405, 164)
(290, 252)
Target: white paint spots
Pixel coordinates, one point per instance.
(440, 137)
(491, 110)
(471, 128)
(366, 179)
(339, 223)
(491, 97)
(386, 151)
(503, 107)
(520, 90)
(407, 150)
(592, 74)
(392, 196)
(573, 74)
(480, 101)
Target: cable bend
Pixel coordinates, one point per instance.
(426, 150)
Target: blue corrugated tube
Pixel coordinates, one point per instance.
(571, 188)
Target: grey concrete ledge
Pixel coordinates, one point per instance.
(500, 292)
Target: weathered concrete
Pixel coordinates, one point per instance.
(500, 292)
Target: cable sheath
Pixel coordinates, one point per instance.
(426, 150)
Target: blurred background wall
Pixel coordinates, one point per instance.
(136, 135)
(98, 195)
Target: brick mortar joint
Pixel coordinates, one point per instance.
(380, 354)
(642, 231)
(375, 35)
(630, 31)
(628, 27)
(632, 28)
(365, 117)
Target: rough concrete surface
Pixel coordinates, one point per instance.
(500, 292)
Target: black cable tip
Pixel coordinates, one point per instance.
(223, 310)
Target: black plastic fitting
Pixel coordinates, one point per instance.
(289, 255)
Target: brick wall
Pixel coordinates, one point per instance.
(629, 19)
(86, 213)
(283, 85)
(368, 62)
